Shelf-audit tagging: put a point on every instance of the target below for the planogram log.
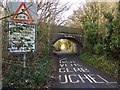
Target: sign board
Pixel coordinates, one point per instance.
(23, 11)
(21, 37)
(22, 14)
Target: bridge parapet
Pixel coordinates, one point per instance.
(69, 30)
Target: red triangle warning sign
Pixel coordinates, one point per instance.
(22, 14)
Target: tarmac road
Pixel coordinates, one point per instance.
(73, 73)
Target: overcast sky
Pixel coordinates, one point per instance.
(75, 4)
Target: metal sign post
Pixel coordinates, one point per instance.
(22, 28)
(24, 60)
(22, 39)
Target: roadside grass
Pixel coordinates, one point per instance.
(103, 63)
(35, 75)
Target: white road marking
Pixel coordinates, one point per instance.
(73, 78)
(63, 65)
(88, 78)
(86, 70)
(72, 61)
(105, 79)
(77, 69)
(68, 70)
(93, 78)
(102, 78)
(70, 78)
(82, 69)
(81, 78)
(75, 65)
(62, 61)
(63, 82)
(62, 70)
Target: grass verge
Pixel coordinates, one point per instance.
(103, 63)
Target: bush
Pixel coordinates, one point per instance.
(98, 48)
(34, 75)
(102, 63)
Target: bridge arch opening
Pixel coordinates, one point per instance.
(66, 45)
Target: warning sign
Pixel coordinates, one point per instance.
(22, 14)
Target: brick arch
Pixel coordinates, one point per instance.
(73, 39)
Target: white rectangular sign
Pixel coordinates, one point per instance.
(21, 37)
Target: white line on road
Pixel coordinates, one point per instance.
(94, 79)
(88, 78)
(105, 80)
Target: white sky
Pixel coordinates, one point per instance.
(75, 4)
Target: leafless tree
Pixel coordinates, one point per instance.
(51, 11)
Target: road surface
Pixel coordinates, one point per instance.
(73, 73)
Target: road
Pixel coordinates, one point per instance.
(73, 73)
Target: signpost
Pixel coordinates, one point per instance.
(22, 28)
